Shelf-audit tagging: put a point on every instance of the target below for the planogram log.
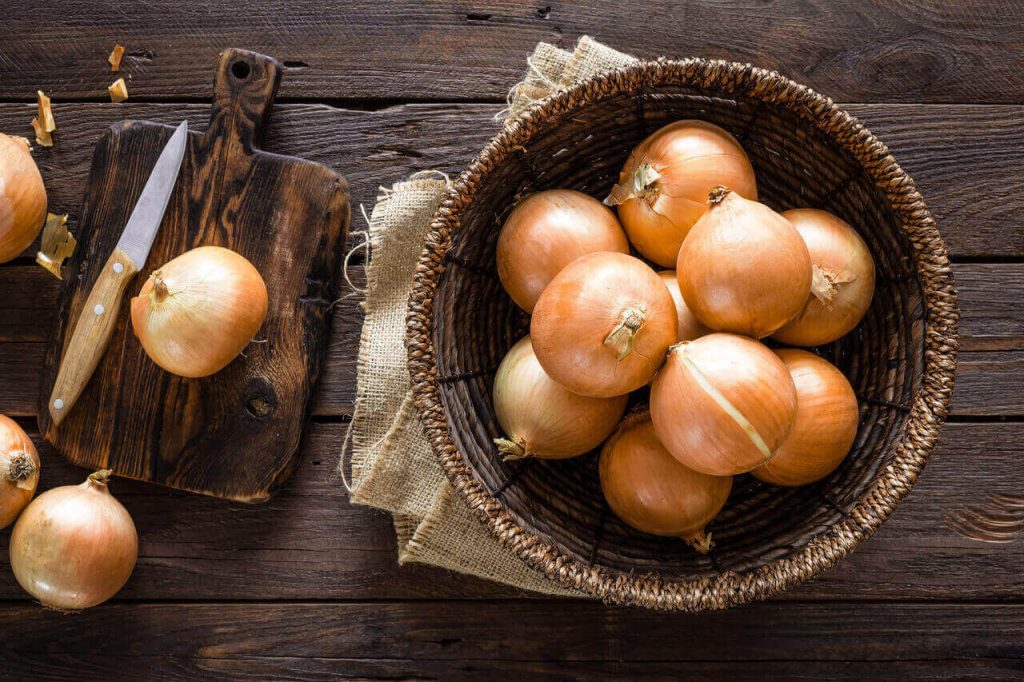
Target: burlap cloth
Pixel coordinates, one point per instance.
(392, 465)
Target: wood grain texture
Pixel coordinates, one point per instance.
(920, 51)
(308, 541)
(233, 434)
(558, 640)
(967, 161)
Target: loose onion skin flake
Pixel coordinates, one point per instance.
(601, 328)
(743, 268)
(19, 470)
(825, 426)
(689, 327)
(723, 404)
(842, 282)
(541, 418)
(22, 198)
(547, 231)
(663, 187)
(651, 491)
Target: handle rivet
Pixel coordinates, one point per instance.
(98, 309)
(58, 404)
(118, 268)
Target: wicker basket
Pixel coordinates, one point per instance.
(901, 360)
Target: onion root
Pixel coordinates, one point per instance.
(700, 542)
(20, 468)
(510, 450)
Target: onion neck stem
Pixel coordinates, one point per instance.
(718, 194)
(622, 337)
(511, 450)
(160, 286)
(100, 477)
(642, 184)
(20, 467)
(824, 285)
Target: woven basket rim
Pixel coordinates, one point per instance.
(928, 411)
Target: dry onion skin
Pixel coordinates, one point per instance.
(651, 491)
(842, 280)
(19, 470)
(723, 404)
(663, 187)
(541, 418)
(75, 546)
(196, 313)
(603, 324)
(825, 426)
(547, 231)
(688, 326)
(22, 198)
(743, 268)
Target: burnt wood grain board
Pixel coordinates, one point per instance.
(560, 640)
(233, 434)
(968, 161)
(990, 382)
(309, 542)
(925, 51)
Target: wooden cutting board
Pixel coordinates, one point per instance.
(233, 434)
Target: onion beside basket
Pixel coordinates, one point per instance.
(900, 360)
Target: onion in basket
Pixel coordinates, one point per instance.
(601, 328)
(723, 404)
(651, 491)
(842, 283)
(542, 419)
(689, 327)
(664, 185)
(825, 426)
(743, 268)
(547, 231)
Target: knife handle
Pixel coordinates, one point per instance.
(92, 333)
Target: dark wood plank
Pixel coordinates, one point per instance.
(930, 51)
(288, 216)
(968, 161)
(556, 639)
(990, 382)
(310, 542)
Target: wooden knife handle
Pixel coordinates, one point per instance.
(92, 333)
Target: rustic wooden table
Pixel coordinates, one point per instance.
(306, 585)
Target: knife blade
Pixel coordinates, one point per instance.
(98, 317)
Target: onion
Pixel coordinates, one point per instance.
(22, 198)
(196, 313)
(664, 185)
(546, 232)
(541, 418)
(842, 283)
(601, 328)
(743, 268)
(689, 327)
(74, 546)
(19, 470)
(722, 404)
(825, 426)
(648, 489)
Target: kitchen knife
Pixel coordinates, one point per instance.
(98, 317)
